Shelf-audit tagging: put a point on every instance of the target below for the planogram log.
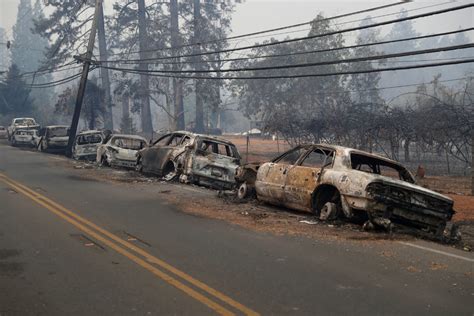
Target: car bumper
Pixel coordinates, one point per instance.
(123, 163)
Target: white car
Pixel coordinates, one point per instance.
(86, 144)
(53, 138)
(120, 150)
(3, 132)
(25, 137)
(21, 123)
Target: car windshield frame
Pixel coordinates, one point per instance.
(403, 173)
(24, 122)
(51, 131)
(114, 139)
(87, 137)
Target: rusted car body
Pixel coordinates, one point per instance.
(21, 123)
(86, 144)
(25, 137)
(120, 150)
(3, 132)
(53, 138)
(194, 158)
(334, 181)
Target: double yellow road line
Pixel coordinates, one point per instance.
(213, 298)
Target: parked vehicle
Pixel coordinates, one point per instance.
(86, 144)
(195, 158)
(21, 123)
(120, 150)
(3, 132)
(333, 181)
(25, 137)
(53, 138)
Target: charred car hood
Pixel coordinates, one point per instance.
(412, 187)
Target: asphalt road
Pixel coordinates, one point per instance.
(75, 247)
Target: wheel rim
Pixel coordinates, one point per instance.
(242, 192)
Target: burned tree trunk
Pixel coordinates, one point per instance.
(199, 120)
(177, 83)
(104, 72)
(147, 124)
(406, 147)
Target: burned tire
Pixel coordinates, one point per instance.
(41, 147)
(329, 212)
(169, 172)
(103, 161)
(139, 166)
(245, 191)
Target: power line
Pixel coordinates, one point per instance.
(274, 29)
(57, 82)
(54, 83)
(389, 87)
(311, 51)
(292, 40)
(359, 20)
(353, 72)
(322, 63)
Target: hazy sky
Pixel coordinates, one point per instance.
(263, 14)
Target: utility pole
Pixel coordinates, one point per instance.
(177, 83)
(199, 126)
(108, 120)
(147, 123)
(82, 85)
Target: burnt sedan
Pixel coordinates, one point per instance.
(194, 158)
(333, 181)
(53, 138)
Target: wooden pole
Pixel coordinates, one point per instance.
(83, 83)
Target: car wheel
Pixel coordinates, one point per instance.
(169, 173)
(139, 166)
(245, 191)
(329, 212)
(103, 161)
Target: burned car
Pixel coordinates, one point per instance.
(86, 144)
(194, 158)
(120, 150)
(25, 137)
(3, 132)
(333, 181)
(53, 138)
(21, 123)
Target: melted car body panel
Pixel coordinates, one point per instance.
(378, 186)
(210, 161)
(120, 150)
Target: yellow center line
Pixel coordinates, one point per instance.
(76, 220)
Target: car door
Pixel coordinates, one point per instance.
(302, 178)
(154, 157)
(271, 177)
(214, 160)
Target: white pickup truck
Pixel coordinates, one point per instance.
(21, 123)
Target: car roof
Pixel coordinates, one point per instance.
(203, 136)
(349, 150)
(90, 131)
(57, 126)
(128, 136)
